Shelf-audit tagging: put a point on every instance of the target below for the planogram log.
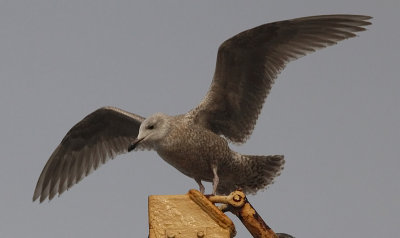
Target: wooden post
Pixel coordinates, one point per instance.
(195, 215)
(188, 215)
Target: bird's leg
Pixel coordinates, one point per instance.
(215, 179)
(201, 187)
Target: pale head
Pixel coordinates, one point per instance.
(152, 131)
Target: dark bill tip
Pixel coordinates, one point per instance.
(134, 143)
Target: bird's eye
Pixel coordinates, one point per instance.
(150, 127)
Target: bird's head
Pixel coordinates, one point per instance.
(151, 131)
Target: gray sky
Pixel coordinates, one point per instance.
(333, 114)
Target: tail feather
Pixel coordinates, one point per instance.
(252, 173)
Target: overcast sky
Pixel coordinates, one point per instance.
(333, 114)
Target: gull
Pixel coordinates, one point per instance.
(197, 143)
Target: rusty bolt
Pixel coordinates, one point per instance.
(200, 234)
(237, 198)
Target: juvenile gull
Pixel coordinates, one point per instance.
(196, 143)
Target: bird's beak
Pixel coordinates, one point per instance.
(134, 143)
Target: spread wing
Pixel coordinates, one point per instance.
(248, 63)
(100, 136)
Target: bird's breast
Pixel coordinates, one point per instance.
(192, 150)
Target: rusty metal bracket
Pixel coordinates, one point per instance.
(237, 203)
(195, 215)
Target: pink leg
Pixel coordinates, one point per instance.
(215, 179)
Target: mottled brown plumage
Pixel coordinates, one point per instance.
(196, 143)
(195, 151)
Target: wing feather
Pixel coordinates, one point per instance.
(94, 140)
(248, 63)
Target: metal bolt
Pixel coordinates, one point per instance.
(237, 198)
(200, 234)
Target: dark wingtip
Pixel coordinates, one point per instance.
(35, 196)
(41, 199)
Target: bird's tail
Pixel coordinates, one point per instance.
(252, 173)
